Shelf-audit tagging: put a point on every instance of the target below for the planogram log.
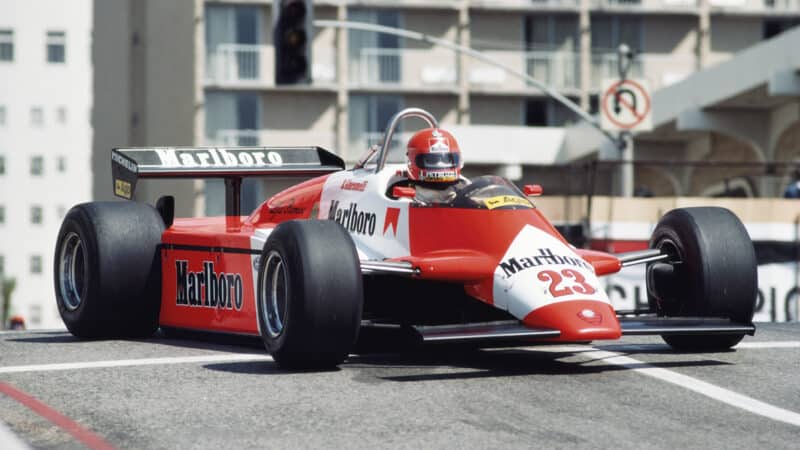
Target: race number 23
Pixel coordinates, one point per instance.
(566, 282)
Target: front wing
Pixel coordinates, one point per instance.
(509, 332)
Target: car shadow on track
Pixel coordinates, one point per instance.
(57, 339)
(232, 344)
(443, 364)
(426, 366)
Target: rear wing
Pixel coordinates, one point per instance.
(231, 164)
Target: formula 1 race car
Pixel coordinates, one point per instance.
(350, 249)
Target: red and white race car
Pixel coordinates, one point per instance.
(311, 266)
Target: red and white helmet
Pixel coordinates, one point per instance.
(434, 156)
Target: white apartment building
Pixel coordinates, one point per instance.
(201, 72)
(45, 141)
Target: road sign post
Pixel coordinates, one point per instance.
(625, 107)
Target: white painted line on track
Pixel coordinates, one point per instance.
(775, 344)
(9, 440)
(238, 357)
(693, 384)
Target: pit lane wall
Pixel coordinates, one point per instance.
(624, 224)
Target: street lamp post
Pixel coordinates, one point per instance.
(624, 141)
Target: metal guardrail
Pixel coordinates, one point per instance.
(239, 138)
(762, 6)
(237, 63)
(646, 5)
(659, 70)
(379, 66)
(667, 178)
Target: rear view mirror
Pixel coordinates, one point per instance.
(532, 190)
(404, 192)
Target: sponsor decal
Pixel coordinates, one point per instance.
(207, 288)
(217, 157)
(353, 220)
(506, 200)
(591, 316)
(284, 207)
(390, 221)
(124, 162)
(439, 144)
(438, 175)
(546, 256)
(122, 189)
(537, 270)
(350, 185)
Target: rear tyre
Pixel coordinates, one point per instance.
(712, 272)
(310, 294)
(107, 270)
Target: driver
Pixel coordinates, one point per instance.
(434, 165)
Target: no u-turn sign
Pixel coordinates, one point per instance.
(625, 105)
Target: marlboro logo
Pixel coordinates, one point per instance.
(217, 157)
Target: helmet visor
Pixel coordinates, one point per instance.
(437, 160)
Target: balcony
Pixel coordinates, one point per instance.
(687, 6)
(272, 138)
(790, 7)
(557, 69)
(252, 66)
(659, 70)
(400, 67)
(239, 64)
(524, 4)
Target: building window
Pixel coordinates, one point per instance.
(2, 165)
(37, 116)
(56, 46)
(36, 214)
(6, 45)
(36, 264)
(233, 118)
(232, 38)
(551, 44)
(61, 164)
(2, 115)
(608, 32)
(61, 114)
(368, 115)
(37, 165)
(375, 58)
(547, 112)
(2, 264)
(2, 214)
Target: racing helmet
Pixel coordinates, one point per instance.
(434, 157)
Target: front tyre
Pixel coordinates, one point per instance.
(107, 271)
(310, 294)
(712, 272)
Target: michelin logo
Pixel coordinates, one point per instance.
(124, 162)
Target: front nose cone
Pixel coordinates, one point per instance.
(578, 320)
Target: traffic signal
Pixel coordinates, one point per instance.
(292, 24)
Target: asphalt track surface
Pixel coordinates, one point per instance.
(60, 392)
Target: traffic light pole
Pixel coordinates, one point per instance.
(479, 56)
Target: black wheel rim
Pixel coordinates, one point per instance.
(72, 271)
(274, 294)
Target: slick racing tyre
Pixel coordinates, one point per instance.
(107, 269)
(310, 294)
(712, 272)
